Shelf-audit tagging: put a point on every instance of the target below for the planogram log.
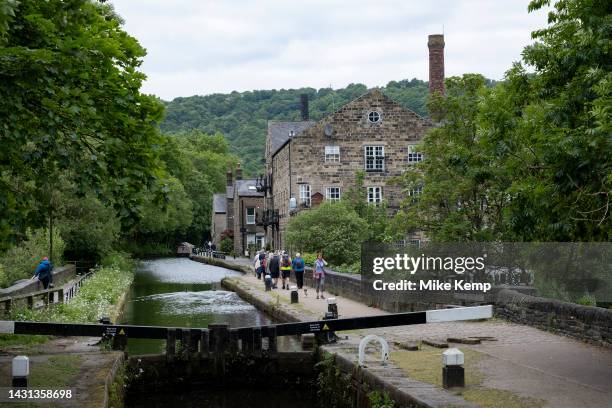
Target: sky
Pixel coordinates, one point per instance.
(200, 47)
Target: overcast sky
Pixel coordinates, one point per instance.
(199, 47)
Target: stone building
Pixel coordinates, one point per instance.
(237, 210)
(307, 162)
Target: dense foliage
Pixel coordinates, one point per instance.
(243, 116)
(20, 261)
(531, 158)
(82, 153)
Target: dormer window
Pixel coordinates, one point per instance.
(374, 117)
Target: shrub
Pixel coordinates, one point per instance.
(333, 228)
(20, 261)
(227, 245)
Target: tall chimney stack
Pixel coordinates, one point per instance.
(304, 107)
(436, 63)
(229, 177)
(238, 172)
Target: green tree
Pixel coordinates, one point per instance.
(70, 101)
(457, 192)
(334, 228)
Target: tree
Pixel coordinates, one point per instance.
(70, 101)
(333, 228)
(457, 192)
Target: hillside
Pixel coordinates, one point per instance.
(242, 116)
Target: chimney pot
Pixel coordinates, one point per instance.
(436, 63)
(238, 172)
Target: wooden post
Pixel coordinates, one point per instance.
(219, 338)
(233, 342)
(46, 298)
(272, 346)
(30, 302)
(257, 347)
(195, 335)
(170, 345)
(247, 342)
(204, 344)
(8, 303)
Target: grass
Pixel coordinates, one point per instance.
(426, 365)
(22, 340)
(59, 371)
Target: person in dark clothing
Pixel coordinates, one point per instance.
(43, 272)
(298, 265)
(285, 267)
(274, 268)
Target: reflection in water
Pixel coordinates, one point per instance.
(183, 293)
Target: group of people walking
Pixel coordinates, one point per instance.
(278, 264)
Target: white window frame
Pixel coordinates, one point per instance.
(374, 156)
(332, 154)
(305, 194)
(413, 155)
(374, 114)
(250, 218)
(415, 192)
(328, 193)
(251, 239)
(261, 239)
(374, 195)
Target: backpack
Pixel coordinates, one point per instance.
(285, 261)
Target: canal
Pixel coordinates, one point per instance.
(179, 292)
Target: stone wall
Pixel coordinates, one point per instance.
(61, 275)
(398, 129)
(590, 324)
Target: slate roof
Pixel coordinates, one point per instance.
(245, 191)
(278, 132)
(219, 203)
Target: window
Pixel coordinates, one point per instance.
(332, 154)
(251, 239)
(414, 156)
(374, 117)
(260, 240)
(415, 243)
(375, 158)
(305, 194)
(415, 192)
(332, 193)
(250, 215)
(374, 195)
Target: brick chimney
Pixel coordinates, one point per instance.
(436, 63)
(304, 106)
(238, 172)
(228, 175)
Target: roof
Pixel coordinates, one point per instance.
(219, 203)
(247, 188)
(278, 132)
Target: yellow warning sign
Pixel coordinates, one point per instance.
(325, 327)
(121, 331)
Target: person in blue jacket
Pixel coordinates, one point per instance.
(43, 272)
(298, 268)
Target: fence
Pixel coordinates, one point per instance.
(46, 297)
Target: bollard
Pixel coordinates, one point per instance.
(268, 283)
(452, 372)
(294, 295)
(21, 370)
(332, 307)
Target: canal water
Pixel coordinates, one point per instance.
(179, 292)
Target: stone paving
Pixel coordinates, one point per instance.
(524, 360)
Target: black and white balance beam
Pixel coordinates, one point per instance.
(317, 326)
